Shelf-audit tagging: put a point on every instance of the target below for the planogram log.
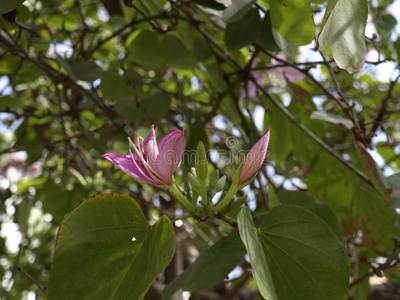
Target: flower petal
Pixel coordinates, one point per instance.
(136, 169)
(171, 148)
(254, 159)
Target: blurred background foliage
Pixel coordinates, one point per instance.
(79, 76)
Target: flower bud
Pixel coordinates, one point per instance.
(201, 162)
(254, 159)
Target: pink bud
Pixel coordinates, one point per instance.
(254, 159)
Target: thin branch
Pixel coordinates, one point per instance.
(41, 287)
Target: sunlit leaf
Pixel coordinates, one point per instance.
(343, 29)
(293, 20)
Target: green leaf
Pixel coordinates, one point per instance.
(293, 20)
(36, 183)
(129, 108)
(156, 106)
(362, 289)
(396, 45)
(86, 71)
(114, 87)
(392, 181)
(9, 63)
(308, 202)
(106, 249)
(251, 239)
(9, 5)
(237, 10)
(210, 4)
(151, 49)
(339, 121)
(146, 49)
(212, 266)
(387, 22)
(243, 32)
(265, 36)
(13, 104)
(176, 54)
(251, 28)
(288, 48)
(343, 29)
(272, 197)
(395, 200)
(351, 198)
(307, 259)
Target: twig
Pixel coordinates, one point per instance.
(41, 287)
(383, 111)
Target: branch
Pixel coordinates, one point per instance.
(383, 111)
(392, 261)
(54, 74)
(279, 105)
(41, 287)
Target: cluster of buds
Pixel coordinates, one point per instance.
(156, 162)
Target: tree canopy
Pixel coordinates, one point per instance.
(311, 212)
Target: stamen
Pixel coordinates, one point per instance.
(132, 145)
(152, 173)
(154, 140)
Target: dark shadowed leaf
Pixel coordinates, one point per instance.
(243, 32)
(9, 5)
(209, 3)
(212, 266)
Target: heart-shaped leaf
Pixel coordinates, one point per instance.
(106, 249)
(307, 260)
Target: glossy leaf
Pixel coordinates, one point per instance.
(106, 249)
(211, 267)
(343, 29)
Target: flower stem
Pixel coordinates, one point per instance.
(227, 199)
(181, 198)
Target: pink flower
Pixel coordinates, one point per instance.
(254, 159)
(152, 162)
